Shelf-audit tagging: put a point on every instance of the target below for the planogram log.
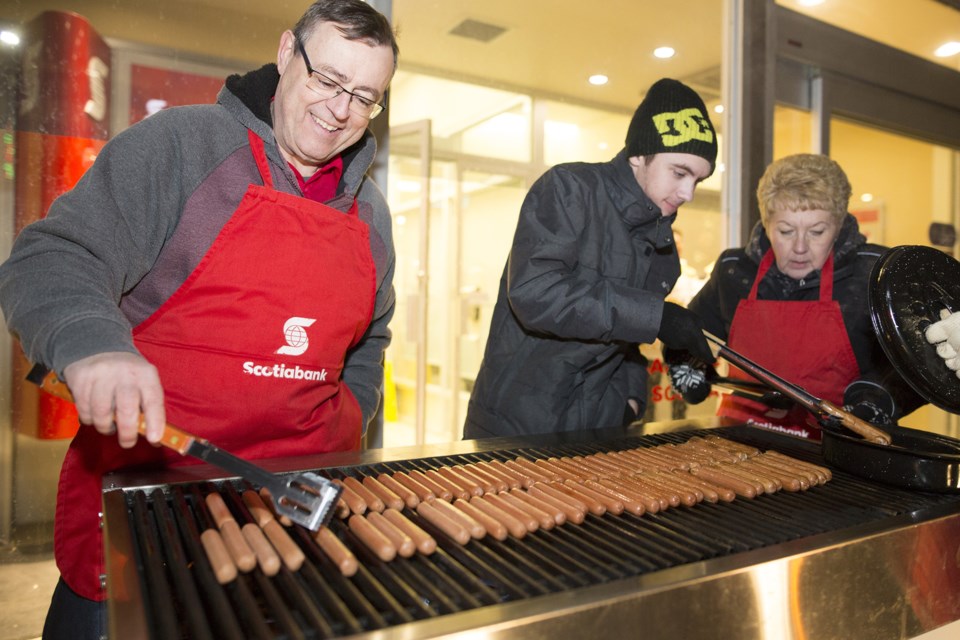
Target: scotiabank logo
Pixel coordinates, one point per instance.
(295, 333)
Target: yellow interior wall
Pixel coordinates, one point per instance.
(902, 175)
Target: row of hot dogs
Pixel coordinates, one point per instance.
(504, 498)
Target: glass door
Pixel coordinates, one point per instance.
(405, 372)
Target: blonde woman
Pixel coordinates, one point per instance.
(794, 300)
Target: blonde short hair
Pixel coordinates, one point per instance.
(803, 182)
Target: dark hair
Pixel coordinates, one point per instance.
(355, 19)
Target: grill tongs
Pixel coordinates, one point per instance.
(824, 410)
(306, 498)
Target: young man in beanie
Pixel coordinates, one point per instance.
(592, 260)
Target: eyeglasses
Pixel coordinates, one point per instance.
(327, 88)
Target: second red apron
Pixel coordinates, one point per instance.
(805, 343)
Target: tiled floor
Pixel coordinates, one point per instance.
(26, 584)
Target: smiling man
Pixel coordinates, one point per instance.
(227, 268)
(592, 260)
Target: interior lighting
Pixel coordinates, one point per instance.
(718, 108)
(9, 38)
(664, 52)
(947, 49)
(810, 3)
(867, 197)
(598, 79)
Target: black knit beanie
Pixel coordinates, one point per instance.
(672, 119)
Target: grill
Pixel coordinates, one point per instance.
(849, 559)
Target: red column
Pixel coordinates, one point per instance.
(62, 123)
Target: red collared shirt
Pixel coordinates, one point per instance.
(322, 185)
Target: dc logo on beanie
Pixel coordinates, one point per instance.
(683, 126)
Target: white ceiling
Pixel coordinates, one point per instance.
(551, 46)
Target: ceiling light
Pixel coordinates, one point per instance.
(867, 197)
(947, 49)
(664, 52)
(810, 3)
(598, 79)
(718, 108)
(9, 37)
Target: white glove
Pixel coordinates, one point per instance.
(945, 334)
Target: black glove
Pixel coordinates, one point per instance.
(688, 375)
(682, 330)
(870, 402)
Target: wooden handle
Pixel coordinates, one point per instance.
(855, 424)
(172, 437)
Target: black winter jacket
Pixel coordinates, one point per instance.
(853, 258)
(591, 262)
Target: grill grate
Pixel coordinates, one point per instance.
(183, 600)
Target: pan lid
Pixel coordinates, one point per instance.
(909, 285)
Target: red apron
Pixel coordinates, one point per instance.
(805, 343)
(250, 351)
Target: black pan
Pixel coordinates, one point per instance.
(908, 287)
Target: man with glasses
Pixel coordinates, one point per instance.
(227, 268)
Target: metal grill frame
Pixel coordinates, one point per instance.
(756, 592)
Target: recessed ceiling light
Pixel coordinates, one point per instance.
(664, 52)
(867, 197)
(810, 3)
(718, 108)
(598, 79)
(947, 49)
(9, 37)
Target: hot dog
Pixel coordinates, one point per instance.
(512, 524)
(492, 526)
(544, 519)
(506, 471)
(372, 537)
(451, 487)
(611, 504)
(388, 497)
(373, 502)
(422, 491)
(718, 476)
(425, 543)
(574, 513)
(243, 556)
(408, 496)
(222, 564)
(476, 475)
(401, 541)
(466, 484)
(438, 491)
(509, 481)
(559, 517)
(352, 499)
(338, 552)
(629, 503)
(267, 556)
(473, 527)
(440, 520)
(630, 496)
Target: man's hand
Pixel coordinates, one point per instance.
(945, 334)
(111, 391)
(682, 330)
(688, 375)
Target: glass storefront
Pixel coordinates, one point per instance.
(469, 131)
